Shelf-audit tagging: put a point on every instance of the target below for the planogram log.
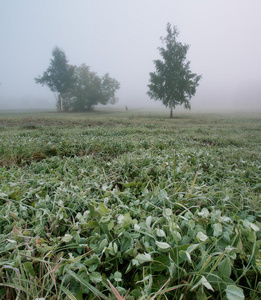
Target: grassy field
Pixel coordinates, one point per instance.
(164, 208)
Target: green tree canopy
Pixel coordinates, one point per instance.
(78, 88)
(90, 90)
(173, 83)
(86, 92)
(59, 76)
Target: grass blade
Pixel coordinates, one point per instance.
(68, 293)
(87, 284)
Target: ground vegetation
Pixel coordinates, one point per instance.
(95, 204)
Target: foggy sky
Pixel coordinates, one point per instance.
(121, 37)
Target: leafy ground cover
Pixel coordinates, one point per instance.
(161, 208)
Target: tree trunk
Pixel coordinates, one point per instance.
(61, 104)
(58, 102)
(171, 112)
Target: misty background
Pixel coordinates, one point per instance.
(121, 37)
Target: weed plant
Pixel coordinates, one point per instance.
(104, 205)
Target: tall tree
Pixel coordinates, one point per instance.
(86, 92)
(108, 88)
(90, 90)
(173, 83)
(59, 76)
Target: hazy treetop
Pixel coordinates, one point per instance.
(121, 37)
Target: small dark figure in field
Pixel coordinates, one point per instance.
(126, 108)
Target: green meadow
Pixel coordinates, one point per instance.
(135, 203)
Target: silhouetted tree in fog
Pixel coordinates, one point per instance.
(173, 83)
(59, 76)
(77, 88)
(89, 90)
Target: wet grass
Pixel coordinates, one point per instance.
(135, 198)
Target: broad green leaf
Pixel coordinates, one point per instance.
(160, 232)
(95, 277)
(17, 232)
(110, 225)
(142, 258)
(103, 244)
(204, 213)
(126, 244)
(167, 212)
(201, 236)
(67, 238)
(217, 229)
(224, 267)
(28, 266)
(11, 241)
(163, 194)
(254, 227)
(136, 227)
(248, 224)
(125, 220)
(117, 276)
(92, 224)
(105, 219)
(172, 269)
(203, 281)
(234, 293)
(148, 221)
(94, 260)
(192, 247)
(120, 219)
(115, 248)
(93, 211)
(162, 245)
(185, 255)
(224, 219)
(191, 224)
(176, 234)
(252, 236)
(130, 252)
